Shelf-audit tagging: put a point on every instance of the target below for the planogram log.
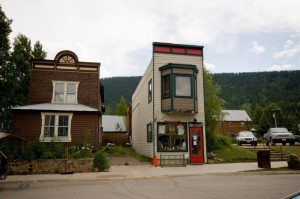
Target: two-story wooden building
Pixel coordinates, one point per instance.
(168, 105)
(65, 102)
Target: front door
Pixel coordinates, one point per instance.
(196, 145)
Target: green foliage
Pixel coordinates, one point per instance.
(38, 52)
(100, 161)
(121, 107)
(213, 109)
(15, 67)
(5, 30)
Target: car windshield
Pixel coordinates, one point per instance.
(246, 134)
(279, 130)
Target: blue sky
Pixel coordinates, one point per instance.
(237, 35)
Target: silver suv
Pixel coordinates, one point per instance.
(246, 137)
(279, 135)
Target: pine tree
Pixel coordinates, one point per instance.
(5, 30)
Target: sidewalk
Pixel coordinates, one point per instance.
(145, 171)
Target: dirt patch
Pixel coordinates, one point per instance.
(118, 161)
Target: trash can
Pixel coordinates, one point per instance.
(263, 159)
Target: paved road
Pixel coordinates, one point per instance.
(215, 186)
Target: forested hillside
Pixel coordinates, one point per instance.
(239, 91)
(261, 88)
(116, 87)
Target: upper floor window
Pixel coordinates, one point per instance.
(166, 86)
(150, 91)
(183, 86)
(65, 92)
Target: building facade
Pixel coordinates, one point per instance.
(234, 121)
(168, 104)
(65, 102)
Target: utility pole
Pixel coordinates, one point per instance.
(274, 115)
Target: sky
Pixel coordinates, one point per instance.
(237, 35)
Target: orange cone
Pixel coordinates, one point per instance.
(155, 161)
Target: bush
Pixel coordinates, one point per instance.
(100, 161)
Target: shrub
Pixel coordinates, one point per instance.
(100, 161)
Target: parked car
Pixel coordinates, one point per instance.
(246, 137)
(279, 135)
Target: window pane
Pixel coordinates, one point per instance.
(71, 98)
(183, 86)
(49, 120)
(59, 88)
(59, 98)
(62, 131)
(63, 120)
(63, 123)
(166, 86)
(171, 137)
(48, 131)
(71, 88)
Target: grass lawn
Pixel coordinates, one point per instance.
(119, 151)
(232, 154)
(287, 150)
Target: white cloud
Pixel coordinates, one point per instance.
(288, 44)
(256, 48)
(210, 67)
(289, 52)
(280, 68)
(111, 32)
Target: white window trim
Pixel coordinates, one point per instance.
(56, 138)
(65, 91)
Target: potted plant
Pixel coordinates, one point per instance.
(293, 161)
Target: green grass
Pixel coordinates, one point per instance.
(119, 151)
(233, 154)
(287, 150)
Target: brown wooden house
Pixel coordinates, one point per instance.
(65, 102)
(234, 121)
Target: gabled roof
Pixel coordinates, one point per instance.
(114, 123)
(235, 116)
(56, 107)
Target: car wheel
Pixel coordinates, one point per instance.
(292, 143)
(255, 144)
(283, 143)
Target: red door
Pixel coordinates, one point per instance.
(196, 145)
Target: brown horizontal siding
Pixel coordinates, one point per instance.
(84, 127)
(183, 104)
(41, 86)
(27, 125)
(227, 128)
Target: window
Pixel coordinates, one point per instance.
(183, 86)
(166, 86)
(56, 126)
(171, 137)
(149, 132)
(65, 92)
(150, 91)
